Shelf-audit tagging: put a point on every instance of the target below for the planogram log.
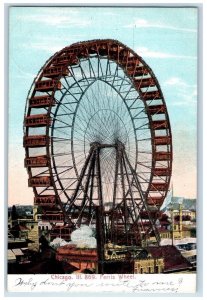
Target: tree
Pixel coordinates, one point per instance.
(14, 214)
(163, 217)
(184, 218)
(193, 232)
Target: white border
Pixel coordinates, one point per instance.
(201, 125)
(110, 284)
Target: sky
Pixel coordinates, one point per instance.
(166, 38)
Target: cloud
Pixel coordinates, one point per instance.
(110, 14)
(143, 23)
(21, 72)
(189, 98)
(145, 52)
(24, 75)
(51, 44)
(58, 18)
(185, 93)
(176, 81)
(183, 102)
(49, 48)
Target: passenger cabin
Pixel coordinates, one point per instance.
(124, 57)
(156, 109)
(39, 181)
(143, 83)
(35, 141)
(158, 186)
(83, 53)
(41, 101)
(45, 200)
(63, 232)
(103, 49)
(65, 60)
(138, 71)
(162, 140)
(113, 52)
(53, 217)
(48, 85)
(151, 95)
(159, 124)
(72, 52)
(155, 200)
(53, 72)
(113, 48)
(145, 214)
(162, 155)
(127, 60)
(161, 172)
(37, 120)
(36, 161)
(92, 49)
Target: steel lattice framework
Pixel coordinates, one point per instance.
(97, 137)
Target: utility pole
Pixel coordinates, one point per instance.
(172, 224)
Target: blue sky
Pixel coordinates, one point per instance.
(166, 38)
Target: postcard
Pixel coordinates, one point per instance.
(102, 188)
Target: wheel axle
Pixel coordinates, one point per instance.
(118, 145)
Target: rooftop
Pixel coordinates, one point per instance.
(173, 260)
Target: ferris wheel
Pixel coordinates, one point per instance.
(98, 141)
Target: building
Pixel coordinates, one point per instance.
(172, 258)
(176, 226)
(119, 259)
(186, 212)
(25, 228)
(149, 266)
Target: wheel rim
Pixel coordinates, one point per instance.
(102, 82)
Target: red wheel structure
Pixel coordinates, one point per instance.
(98, 141)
